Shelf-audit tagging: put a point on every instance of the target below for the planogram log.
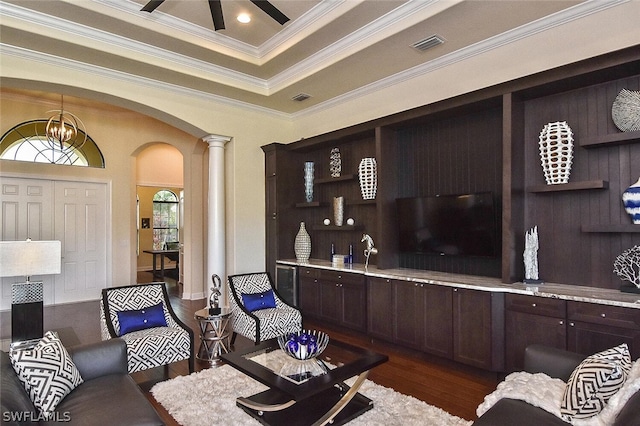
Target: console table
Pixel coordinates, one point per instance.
(162, 254)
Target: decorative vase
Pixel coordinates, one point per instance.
(308, 181)
(631, 201)
(302, 244)
(335, 163)
(625, 110)
(338, 210)
(368, 174)
(556, 152)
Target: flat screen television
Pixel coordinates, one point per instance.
(455, 225)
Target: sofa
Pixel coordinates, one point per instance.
(108, 394)
(558, 364)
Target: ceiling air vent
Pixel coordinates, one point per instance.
(428, 43)
(300, 97)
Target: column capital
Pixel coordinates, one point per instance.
(216, 140)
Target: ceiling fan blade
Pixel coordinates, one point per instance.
(271, 10)
(152, 5)
(216, 14)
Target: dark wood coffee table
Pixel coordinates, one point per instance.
(305, 392)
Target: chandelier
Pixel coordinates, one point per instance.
(64, 130)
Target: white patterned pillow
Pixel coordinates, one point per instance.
(47, 373)
(594, 381)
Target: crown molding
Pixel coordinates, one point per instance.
(581, 10)
(563, 17)
(170, 89)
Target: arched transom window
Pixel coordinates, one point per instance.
(26, 142)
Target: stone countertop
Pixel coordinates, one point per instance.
(551, 290)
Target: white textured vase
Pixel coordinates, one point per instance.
(631, 201)
(368, 175)
(556, 152)
(338, 210)
(302, 244)
(308, 181)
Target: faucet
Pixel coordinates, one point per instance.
(366, 238)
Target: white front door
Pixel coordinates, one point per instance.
(81, 225)
(74, 213)
(26, 211)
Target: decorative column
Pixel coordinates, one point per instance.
(216, 259)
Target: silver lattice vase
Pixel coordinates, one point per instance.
(308, 181)
(556, 152)
(335, 163)
(302, 244)
(368, 175)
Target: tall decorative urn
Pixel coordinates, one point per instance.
(302, 244)
(368, 175)
(308, 181)
(631, 201)
(556, 152)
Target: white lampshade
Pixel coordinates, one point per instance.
(28, 258)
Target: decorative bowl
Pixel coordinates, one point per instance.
(305, 344)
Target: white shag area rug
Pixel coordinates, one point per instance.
(208, 398)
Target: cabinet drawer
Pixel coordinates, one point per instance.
(536, 305)
(603, 314)
(341, 277)
(306, 272)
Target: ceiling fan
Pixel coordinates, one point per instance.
(216, 11)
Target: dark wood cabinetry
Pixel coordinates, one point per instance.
(424, 317)
(581, 327)
(309, 292)
(338, 298)
(438, 321)
(380, 308)
(478, 328)
(594, 327)
(532, 320)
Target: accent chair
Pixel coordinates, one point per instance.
(142, 316)
(257, 311)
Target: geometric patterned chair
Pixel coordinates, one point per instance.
(263, 323)
(154, 337)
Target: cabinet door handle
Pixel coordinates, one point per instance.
(561, 322)
(339, 277)
(273, 216)
(603, 315)
(455, 289)
(533, 304)
(572, 324)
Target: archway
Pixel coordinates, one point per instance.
(159, 170)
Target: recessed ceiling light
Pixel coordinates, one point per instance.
(244, 18)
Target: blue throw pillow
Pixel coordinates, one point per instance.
(257, 301)
(153, 316)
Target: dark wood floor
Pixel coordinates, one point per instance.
(453, 387)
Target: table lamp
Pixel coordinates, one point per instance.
(26, 259)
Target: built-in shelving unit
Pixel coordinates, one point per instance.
(611, 139)
(571, 186)
(343, 228)
(484, 141)
(604, 229)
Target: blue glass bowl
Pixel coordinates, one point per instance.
(305, 344)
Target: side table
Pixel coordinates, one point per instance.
(214, 337)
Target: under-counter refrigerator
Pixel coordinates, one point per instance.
(287, 283)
